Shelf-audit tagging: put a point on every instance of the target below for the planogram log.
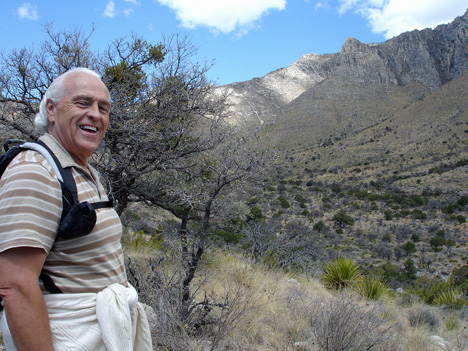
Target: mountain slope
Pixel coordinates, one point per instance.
(428, 58)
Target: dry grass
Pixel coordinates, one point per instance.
(273, 311)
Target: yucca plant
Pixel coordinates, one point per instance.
(341, 273)
(371, 288)
(451, 298)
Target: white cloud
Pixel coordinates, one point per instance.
(393, 17)
(222, 16)
(128, 12)
(28, 11)
(110, 9)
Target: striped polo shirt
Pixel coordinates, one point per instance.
(30, 211)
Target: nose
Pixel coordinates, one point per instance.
(93, 111)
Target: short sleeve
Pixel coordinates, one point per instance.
(30, 203)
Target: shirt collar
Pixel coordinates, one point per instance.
(66, 160)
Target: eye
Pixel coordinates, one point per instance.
(104, 108)
(82, 103)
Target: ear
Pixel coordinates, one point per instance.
(50, 108)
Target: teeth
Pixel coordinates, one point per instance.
(93, 129)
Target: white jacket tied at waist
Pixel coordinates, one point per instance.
(111, 320)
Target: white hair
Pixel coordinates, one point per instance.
(55, 93)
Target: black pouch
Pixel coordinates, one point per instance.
(79, 220)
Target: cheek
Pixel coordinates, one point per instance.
(105, 123)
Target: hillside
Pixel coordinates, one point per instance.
(376, 132)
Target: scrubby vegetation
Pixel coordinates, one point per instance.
(243, 305)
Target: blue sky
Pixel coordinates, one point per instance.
(246, 38)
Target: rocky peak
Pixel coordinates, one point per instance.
(431, 57)
(353, 45)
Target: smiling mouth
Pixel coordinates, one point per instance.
(89, 128)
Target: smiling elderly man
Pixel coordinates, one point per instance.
(97, 310)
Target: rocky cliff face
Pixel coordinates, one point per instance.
(431, 58)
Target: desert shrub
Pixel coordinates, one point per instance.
(341, 273)
(388, 271)
(319, 226)
(460, 277)
(253, 201)
(409, 270)
(226, 235)
(383, 251)
(461, 219)
(300, 198)
(387, 238)
(370, 288)
(255, 214)
(420, 316)
(388, 215)
(451, 298)
(341, 324)
(449, 209)
(281, 188)
(342, 218)
(437, 241)
(409, 247)
(284, 203)
(427, 289)
(463, 200)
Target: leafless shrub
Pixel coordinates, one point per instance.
(383, 251)
(342, 323)
(208, 318)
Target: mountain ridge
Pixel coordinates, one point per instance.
(429, 57)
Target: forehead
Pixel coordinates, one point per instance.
(79, 84)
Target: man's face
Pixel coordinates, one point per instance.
(79, 120)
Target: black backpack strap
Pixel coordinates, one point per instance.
(68, 184)
(6, 159)
(49, 283)
(64, 175)
(9, 142)
(102, 204)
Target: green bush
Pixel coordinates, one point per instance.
(342, 218)
(256, 214)
(449, 209)
(463, 200)
(319, 226)
(388, 215)
(371, 288)
(409, 271)
(227, 235)
(387, 238)
(409, 247)
(427, 289)
(451, 298)
(299, 198)
(284, 203)
(461, 219)
(460, 276)
(341, 273)
(436, 242)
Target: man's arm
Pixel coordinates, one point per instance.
(24, 304)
